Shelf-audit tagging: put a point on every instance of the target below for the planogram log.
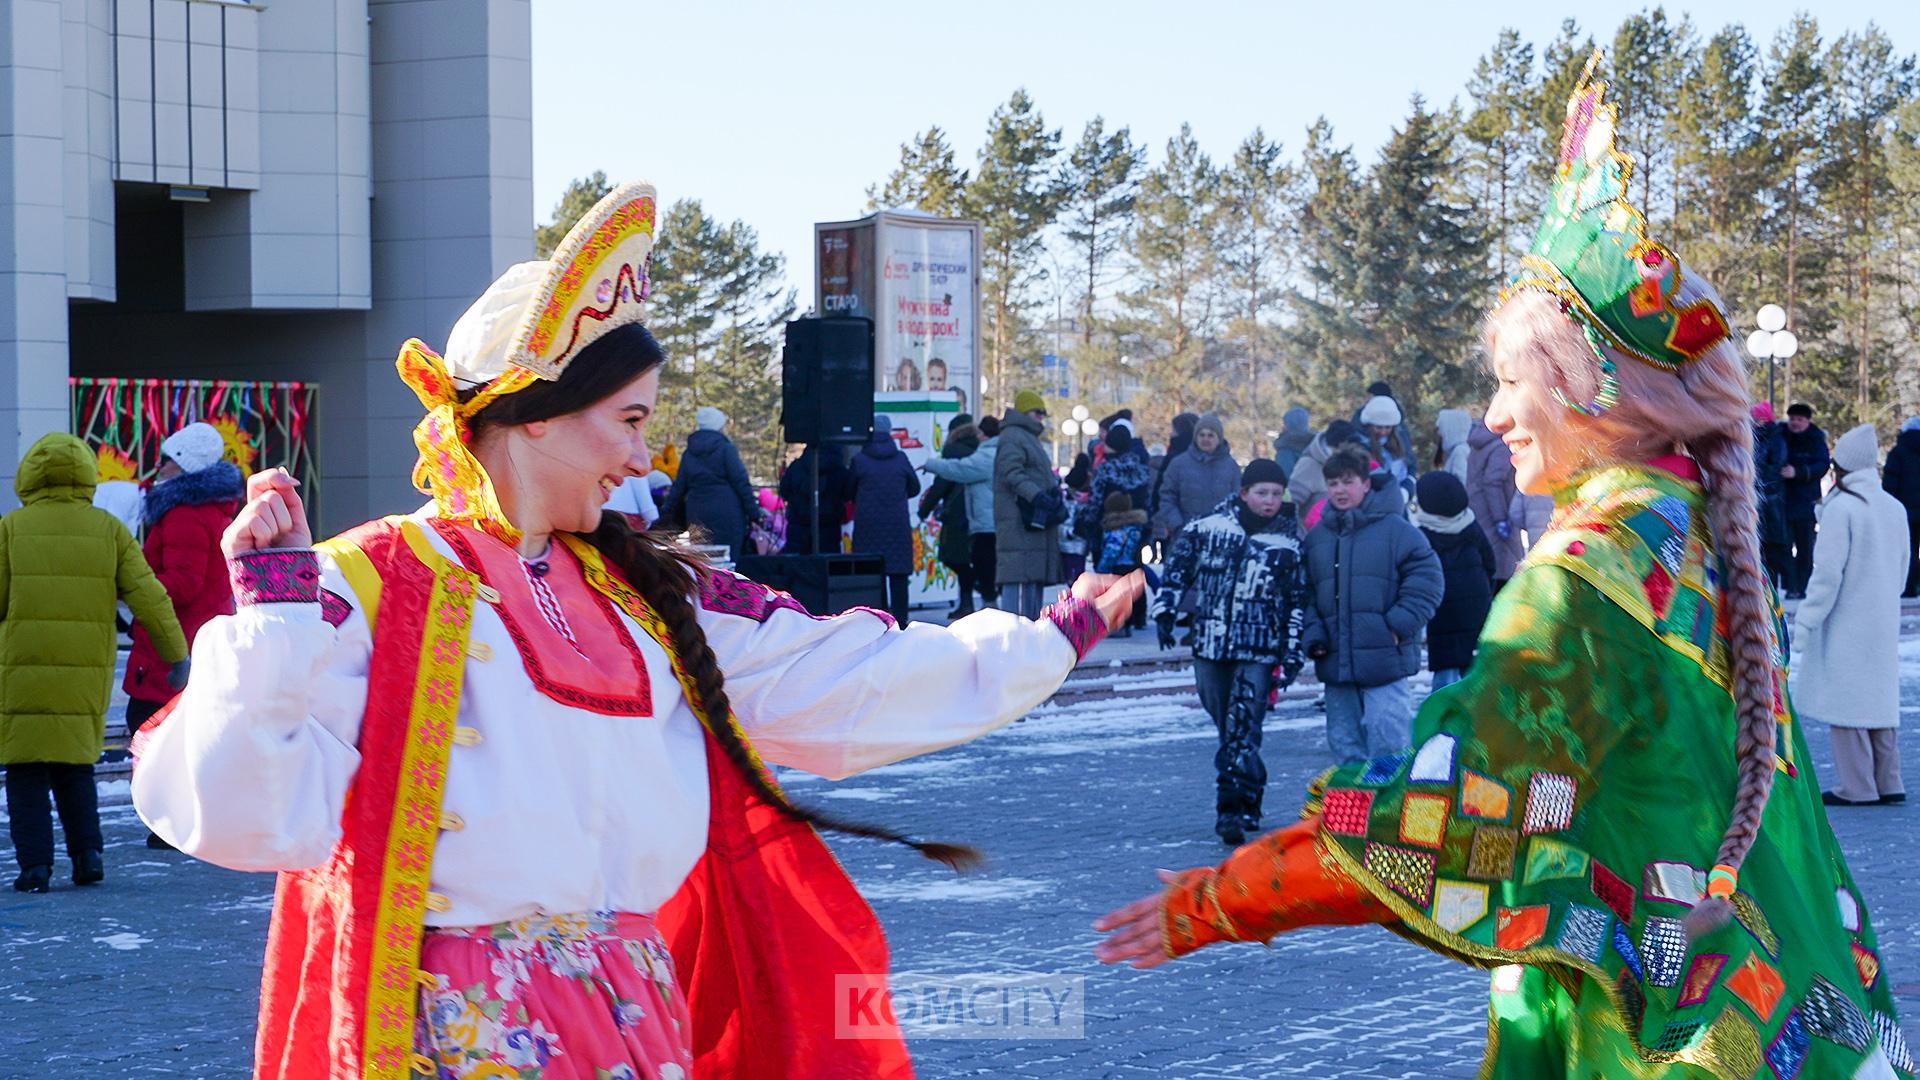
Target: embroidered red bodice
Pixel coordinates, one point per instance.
(598, 667)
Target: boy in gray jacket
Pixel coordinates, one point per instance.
(1375, 583)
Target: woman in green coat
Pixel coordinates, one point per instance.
(63, 565)
(1615, 810)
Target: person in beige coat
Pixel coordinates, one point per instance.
(1848, 629)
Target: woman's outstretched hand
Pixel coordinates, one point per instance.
(274, 516)
(1134, 933)
(1112, 595)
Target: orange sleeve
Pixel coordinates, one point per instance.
(1281, 881)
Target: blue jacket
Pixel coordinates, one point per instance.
(881, 480)
(1807, 453)
(712, 490)
(1376, 582)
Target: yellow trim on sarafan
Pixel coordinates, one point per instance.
(411, 836)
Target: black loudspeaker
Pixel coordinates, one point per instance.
(826, 380)
(824, 584)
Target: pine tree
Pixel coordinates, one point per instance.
(926, 178)
(1014, 195)
(1793, 87)
(1102, 174)
(1648, 56)
(1499, 131)
(578, 198)
(1327, 335)
(1174, 254)
(1257, 194)
(1718, 153)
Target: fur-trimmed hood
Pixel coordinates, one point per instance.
(219, 482)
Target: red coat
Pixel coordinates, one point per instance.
(183, 547)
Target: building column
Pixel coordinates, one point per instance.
(33, 242)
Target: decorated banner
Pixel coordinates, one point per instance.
(265, 424)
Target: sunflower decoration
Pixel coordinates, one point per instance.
(113, 463)
(240, 449)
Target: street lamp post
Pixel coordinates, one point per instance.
(1773, 341)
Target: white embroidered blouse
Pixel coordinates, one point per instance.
(550, 807)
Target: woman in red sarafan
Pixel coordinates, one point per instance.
(507, 754)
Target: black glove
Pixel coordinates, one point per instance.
(1164, 625)
(177, 675)
(1318, 651)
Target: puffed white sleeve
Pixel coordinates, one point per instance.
(837, 696)
(250, 769)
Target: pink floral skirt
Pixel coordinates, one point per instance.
(553, 997)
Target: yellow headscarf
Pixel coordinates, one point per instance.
(526, 327)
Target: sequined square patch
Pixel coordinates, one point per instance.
(1584, 931)
(1549, 803)
(1750, 916)
(1674, 882)
(1484, 797)
(1613, 891)
(1490, 853)
(1831, 1015)
(1434, 763)
(1383, 769)
(1423, 819)
(1676, 1035)
(1893, 1041)
(1407, 872)
(1867, 964)
(1663, 948)
(1700, 978)
(1788, 1050)
(1623, 944)
(1548, 859)
(1345, 811)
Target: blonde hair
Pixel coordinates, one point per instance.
(1701, 410)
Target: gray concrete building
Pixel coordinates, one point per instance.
(256, 191)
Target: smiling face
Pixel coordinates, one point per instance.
(1528, 419)
(560, 472)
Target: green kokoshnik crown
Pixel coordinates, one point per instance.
(1592, 249)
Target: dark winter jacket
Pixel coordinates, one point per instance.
(1769, 488)
(1244, 595)
(796, 490)
(881, 480)
(1177, 444)
(185, 517)
(1126, 473)
(1807, 453)
(1121, 537)
(1021, 471)
(712, 491)
(1376, 582)
(1466, 561)
(1490, 492)
(1293, 439)
(63, 564)
(1902, 476)
(1193, 484)
(947, 500)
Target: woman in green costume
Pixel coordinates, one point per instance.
(1615, 810)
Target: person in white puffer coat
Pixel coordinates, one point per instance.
(1847, 631)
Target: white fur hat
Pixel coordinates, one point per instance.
(1381, 412)
(194, 447)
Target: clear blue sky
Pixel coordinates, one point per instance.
(781, 114)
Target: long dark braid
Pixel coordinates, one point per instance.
(663, 572)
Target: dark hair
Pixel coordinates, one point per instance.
(1380, 389)
(1800, 408)
(989, 426)
(663, 572)
(1344, 462)
(1119, 439)
(1839, 484)
(936, 360)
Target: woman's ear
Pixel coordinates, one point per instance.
(535, 429)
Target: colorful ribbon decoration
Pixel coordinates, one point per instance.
(447, 470)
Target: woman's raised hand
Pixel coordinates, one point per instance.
(274, 517)
(1112, 594)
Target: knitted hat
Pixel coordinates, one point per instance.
(1380, 389)
(1762, 412)
(194, 447)
(1858, 450)
(959, 421)
(1441, 494)
(1123, 423)
(1117, 503)
(1119, 439)
(1912, 424)
(1341, 432)
(1183, 423)
(708, 418)
(1209, 422)
(883, 425)
(1262, 471)
(1380, 412)
(1027, 401)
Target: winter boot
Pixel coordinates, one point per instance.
(33, 879)
(89, 868)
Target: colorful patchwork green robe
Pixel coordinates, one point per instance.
(1557, 811)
